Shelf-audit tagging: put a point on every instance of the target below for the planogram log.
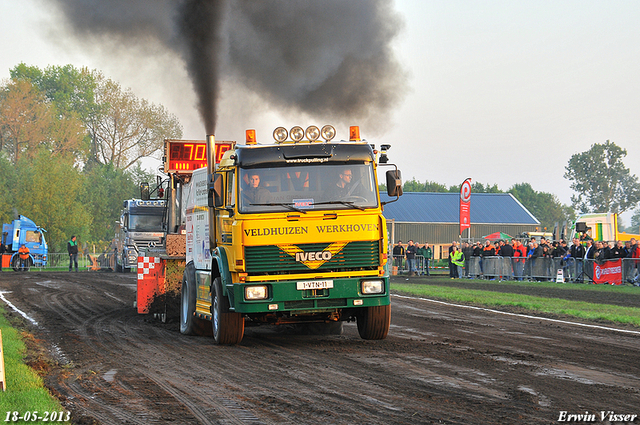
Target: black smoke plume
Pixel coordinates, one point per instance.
(329, 59)
(199, 24)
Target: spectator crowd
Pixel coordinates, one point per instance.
(532, 260)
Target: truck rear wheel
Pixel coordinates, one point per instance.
(189, 323)
(374, 322)
(228, 327)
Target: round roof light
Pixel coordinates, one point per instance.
(297, 133)
(280, 134)
(313, 133)
(328, 132)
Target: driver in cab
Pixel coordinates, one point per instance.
(255, 194)
(343, 188)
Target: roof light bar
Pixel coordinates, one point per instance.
(280, 134)
(328, 132)
(313, 133)
(297, 133)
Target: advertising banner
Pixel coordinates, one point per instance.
(465, 205)
(610, 272)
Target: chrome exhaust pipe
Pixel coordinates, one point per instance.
(211, 168)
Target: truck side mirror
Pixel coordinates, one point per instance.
(394, 183)
(144, 191)
(215, 198)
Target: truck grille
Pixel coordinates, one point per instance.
(270, 259)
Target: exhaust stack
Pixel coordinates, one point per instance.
(211, 168)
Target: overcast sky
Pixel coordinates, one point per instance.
(503, 92)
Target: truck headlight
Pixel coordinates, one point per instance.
(369, 287)
(252, 293)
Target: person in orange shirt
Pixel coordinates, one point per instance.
(24, 258)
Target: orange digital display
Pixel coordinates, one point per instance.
(185, 156)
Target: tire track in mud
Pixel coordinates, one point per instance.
(438, 365)
(116, 340)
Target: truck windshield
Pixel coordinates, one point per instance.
(307, 187)
(145, 223)
(32, 236)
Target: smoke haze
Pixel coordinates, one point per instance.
(329, 59)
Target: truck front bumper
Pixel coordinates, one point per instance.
(298, 296)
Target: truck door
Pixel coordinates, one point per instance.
(223, 215)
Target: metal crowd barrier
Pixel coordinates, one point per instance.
(546, 269)
(401, 265)
(95, 262)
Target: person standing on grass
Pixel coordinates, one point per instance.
(23, 253)
(457, 259)
(3, 249)
(72, 249)
(411, 252)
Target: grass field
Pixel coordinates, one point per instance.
(25, 391)
(507, 295)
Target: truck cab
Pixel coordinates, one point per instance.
(24, 231)
(141, 226)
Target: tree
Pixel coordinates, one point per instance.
(415, 186)
(24, 118)
(119, 127)
(635, 223)
(7, 179)
(478, 187)
(48, 191)
(69, 88)
(28, 120)
(601, 181)
(124, 128)
(106, 187)
(544, 206)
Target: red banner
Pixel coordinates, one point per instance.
(465, 205)
(609, 272)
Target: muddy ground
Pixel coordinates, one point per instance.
(440, 364)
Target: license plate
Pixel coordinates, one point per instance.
(314, 284)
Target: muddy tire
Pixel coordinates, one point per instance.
(373, 322)
(189, 323)
(15, 264)
(228, 327)
(17, 267)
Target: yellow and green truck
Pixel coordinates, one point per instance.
(289, 232)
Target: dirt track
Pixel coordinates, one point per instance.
(440, 364)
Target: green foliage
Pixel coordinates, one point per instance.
(70, 141)
(48, 191)
(601, 181)
(585, 310)
(105, 189)
(634, 227)
(544, 206)
(477, 187)
(125, 128)
(69, 88)
(25, 389)
(7, 176)
(415, 186)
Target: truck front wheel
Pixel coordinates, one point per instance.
(189, 323)
(228, 326)
(374, 322)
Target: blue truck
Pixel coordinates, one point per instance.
(24, 231)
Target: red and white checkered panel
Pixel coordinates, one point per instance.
(146, 264)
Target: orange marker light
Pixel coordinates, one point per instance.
(354, 133)
(251, 137)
